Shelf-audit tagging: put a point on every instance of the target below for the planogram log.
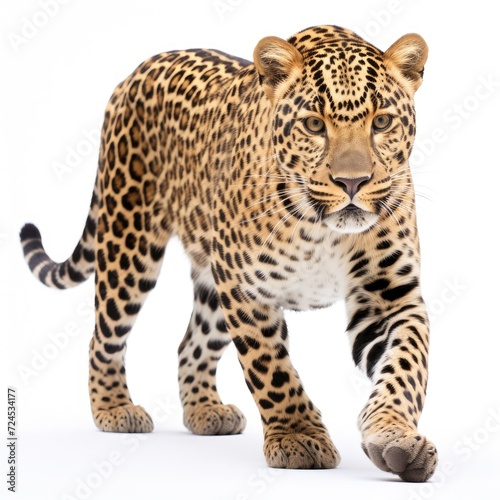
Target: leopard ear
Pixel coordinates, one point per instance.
(275, 60)
(408, 55)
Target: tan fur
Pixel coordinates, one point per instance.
(409, 55)
(288, 183)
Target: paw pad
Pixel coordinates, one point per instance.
(413, 458)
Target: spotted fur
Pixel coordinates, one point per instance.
(287, 181)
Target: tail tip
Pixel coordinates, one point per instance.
(29, 231)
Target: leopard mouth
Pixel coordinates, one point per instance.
(350, 219)
(351, 209)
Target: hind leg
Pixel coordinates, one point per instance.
(127, 267)
(205, 340)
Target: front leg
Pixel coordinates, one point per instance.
(294, 434)
(389, 333)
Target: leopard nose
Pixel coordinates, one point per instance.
(350, 185)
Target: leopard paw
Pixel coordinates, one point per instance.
(127, 418)
(301, 451)
(214, 420)
(411, 456)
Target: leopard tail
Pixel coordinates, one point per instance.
(73, 271)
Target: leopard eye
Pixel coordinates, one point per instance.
(314, 125)
(382, 122)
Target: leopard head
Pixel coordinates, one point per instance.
(343, 120)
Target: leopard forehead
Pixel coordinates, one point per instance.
(342, 75)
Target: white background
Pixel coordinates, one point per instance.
(57, 72)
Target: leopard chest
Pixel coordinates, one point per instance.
(301, 276)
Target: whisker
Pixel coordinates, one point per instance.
(390, 212)
(262, 160)
(266, 176)
(271, 196)
(271, 210)
(260, 183)
(283, 221)
(311, 206)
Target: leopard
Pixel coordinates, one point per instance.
(287, 180)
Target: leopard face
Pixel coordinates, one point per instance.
(343, 129)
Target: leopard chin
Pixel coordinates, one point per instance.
(351, 220)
